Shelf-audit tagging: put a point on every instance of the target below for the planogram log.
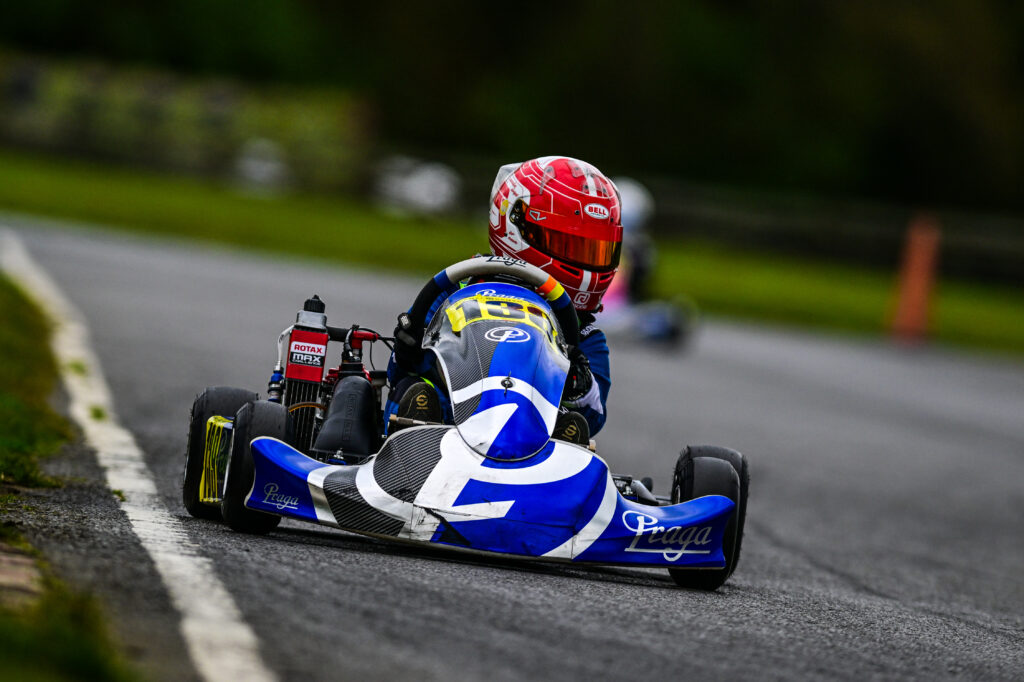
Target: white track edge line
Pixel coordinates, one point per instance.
(221, 644)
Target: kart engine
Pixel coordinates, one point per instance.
(304, 371)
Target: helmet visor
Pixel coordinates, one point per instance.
(588, 253)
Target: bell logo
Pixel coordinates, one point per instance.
(596, 211)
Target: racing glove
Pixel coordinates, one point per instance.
(580, 380)
(408, 345)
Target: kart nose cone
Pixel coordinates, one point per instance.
(505, 426)
(499, 349)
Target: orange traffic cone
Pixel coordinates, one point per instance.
(917, 279)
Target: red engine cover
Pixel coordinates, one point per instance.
(306, 354)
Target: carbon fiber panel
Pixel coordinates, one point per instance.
(473, 365)
(400, 469)
(407, 459)
(351, 510)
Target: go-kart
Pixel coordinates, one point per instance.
(493, 480)
(668, 324)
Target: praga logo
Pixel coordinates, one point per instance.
(596, 211)
(504, 260)
(509, 334)
(272, 497)
(672, 542)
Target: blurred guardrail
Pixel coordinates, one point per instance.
(158, 119)
(973, 246)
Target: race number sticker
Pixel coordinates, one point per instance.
(503, 309)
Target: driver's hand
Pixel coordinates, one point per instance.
(408, 346)
(579, 381)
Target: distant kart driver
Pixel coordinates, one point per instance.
(563, 216)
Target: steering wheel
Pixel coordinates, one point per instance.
(447, 281)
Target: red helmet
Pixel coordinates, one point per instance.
(562, 215)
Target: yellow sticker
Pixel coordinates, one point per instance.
(514, 311)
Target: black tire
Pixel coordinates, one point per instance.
(351, 423)
(254, 419)
(696, 477)
(221, 401)
(739, 463)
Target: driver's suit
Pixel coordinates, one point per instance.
(593, 344)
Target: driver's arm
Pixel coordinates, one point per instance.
(409, 358)
(592, 405)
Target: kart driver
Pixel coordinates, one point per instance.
(563, 216)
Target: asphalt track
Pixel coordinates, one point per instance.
(885, 532)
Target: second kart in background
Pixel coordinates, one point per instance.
(629, 310)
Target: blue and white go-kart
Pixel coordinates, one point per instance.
(493, 481)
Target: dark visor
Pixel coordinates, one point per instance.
(584, 252)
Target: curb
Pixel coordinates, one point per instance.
(21, 581)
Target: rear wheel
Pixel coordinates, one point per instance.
(705, 470)
(222, 401)
(254, 419)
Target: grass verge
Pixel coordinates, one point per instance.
(721, 281)
(61, 636)
(828, 296)
(301, 225)
(29, 428)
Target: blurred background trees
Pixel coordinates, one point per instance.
(905, 101)
(743, 117)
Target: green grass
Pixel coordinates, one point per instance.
(78, 367)
(62, 635)
(800, 292)
(721, 281)
(303, 225)
(29, 428)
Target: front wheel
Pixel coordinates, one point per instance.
(254, 419)
(739, 463)
(707, 470)
(216, 401)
